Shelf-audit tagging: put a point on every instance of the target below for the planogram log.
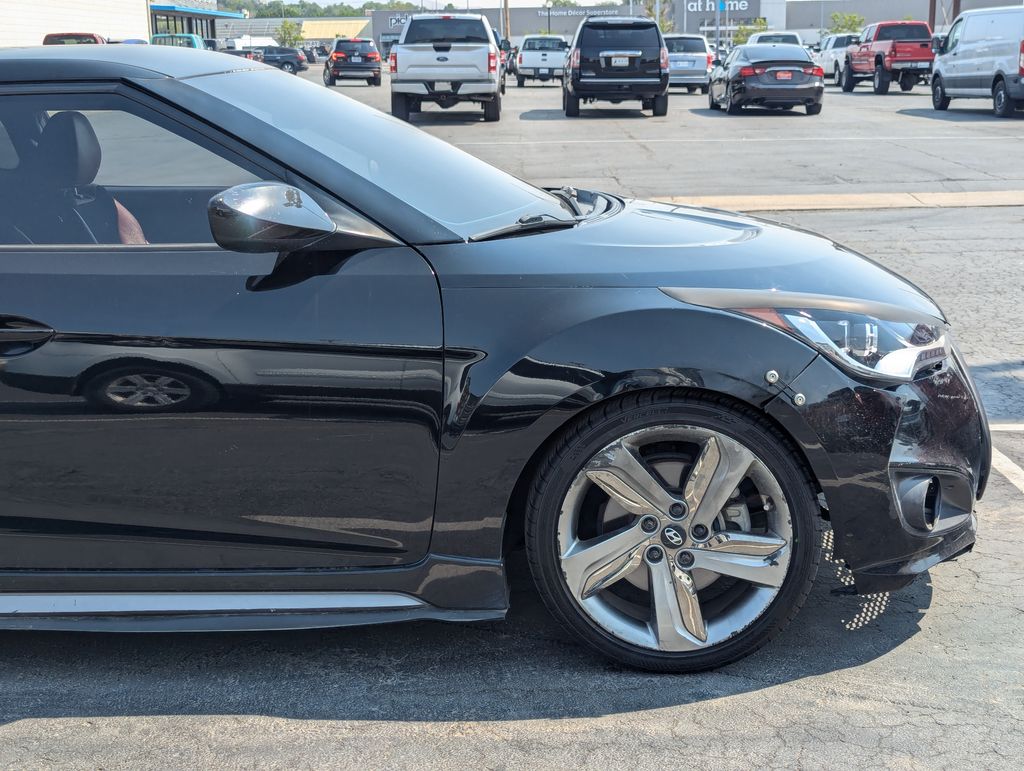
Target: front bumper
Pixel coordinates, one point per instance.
(758, 94)
(900, 467)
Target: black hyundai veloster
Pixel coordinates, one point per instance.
(260, 371)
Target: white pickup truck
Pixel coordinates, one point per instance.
(541, 57)
(446, 59)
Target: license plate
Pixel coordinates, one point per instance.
(688, 63)
(356, 59)
(544, 72)
(921, 65)
(442, 85)
(620, 61)
(784, 75)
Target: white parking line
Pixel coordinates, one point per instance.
(746, 140)
(1013, 473)
(1006, 426)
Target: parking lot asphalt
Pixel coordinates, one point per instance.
(928, 677)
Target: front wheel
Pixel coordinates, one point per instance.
(673, 533)
(837, 76)
(849, 82)
(939, 99)
(1003, 105)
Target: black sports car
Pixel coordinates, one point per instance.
(776, 76)
(257, 373)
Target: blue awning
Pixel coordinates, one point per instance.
(196, 11)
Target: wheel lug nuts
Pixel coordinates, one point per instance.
(684, 559)
(655, 554)
(677, 510)
(648, 524)
(699, 532)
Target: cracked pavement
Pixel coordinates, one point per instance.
(928, 677)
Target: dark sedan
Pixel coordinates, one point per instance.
(777, 76)
(273, 374)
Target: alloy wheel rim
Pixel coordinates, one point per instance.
(674, 538)
(147, 391)
(1000, 98)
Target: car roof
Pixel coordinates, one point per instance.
(617, 20)
(997, 9)
(103, 62)
(685, 34)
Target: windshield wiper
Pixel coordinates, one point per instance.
(571, 197)
(529, 223)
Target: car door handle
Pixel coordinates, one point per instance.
(18, 335)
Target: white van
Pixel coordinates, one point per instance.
(982, 57)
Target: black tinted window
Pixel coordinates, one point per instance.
(760, 53)
(904, 32)
(544, 44)
(361, 47)
(685, 45)
(619, 35)
(446, 31)
(780, 38)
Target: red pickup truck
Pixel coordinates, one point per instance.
(888, 51)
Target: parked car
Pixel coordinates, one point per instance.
(663, 402)
(616, 59)
(447, 59)
(689, 61)
(982, 57)
(310, 53)
(353, 59)
(72, 38)
(830, 55)
(245, 53)
(772, 75)
(781, 36)
(541, 57)
(290, 60)
(887, 51)
(180, 40)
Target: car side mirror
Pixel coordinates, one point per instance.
(264, 217)
(939, 44)
(816, 48)
(716, 62)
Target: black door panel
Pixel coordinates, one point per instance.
(317, 448)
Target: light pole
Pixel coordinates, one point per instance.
(547, 4)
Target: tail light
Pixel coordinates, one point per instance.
(574, 60)
(1020, 61)
(373, 56)
(710, 59)
(492, 61)
(393, 62)
(302, 56)
(520, 58)
(338, 56)
(749, 72)
(664, 59)
(816, 72)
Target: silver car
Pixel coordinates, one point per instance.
(689, 58)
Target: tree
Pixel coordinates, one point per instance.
(744, 31)
(845, 23)
(289, 34)
(665, 22)
(564, 4)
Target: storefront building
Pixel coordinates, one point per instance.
(196, 17)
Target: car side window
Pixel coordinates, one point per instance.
(100, 169)
(866, 35)
(954, 35)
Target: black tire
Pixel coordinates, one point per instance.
(882, 80)
(691, 89)
(660, 106)
(492, 109)
(814, 109)
(837, 76)
(520, 81)
(571, 104)
(907, 82)
(400, 106)
(712, 104)
(849, 82)
(1003, 105)
(704, 89)
(329, 79)
(623, 415)
(939, 99)
(191, 392)
(288, 67)
(375, 80)
(732, 107)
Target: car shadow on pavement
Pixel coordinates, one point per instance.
(525, 667)
(621, 113)
(1002, 389)
(958, 114)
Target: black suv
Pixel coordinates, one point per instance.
(288, 59)
(613, 59)
(355, 58)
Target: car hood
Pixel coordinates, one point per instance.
(648, 244)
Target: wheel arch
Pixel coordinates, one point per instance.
(999, 77)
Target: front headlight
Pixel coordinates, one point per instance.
(865, 345)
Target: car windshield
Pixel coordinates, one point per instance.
(760, 53)
(685, 45)
(56, 40)
(446, 31)
(904, 32)
(780, 38)
(544, 44)
(448, 185)
(619, 35)
(360, 47)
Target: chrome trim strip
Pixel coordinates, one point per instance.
(604, 54)
(624, 81)
(129, 603)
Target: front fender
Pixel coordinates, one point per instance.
(548, 354)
